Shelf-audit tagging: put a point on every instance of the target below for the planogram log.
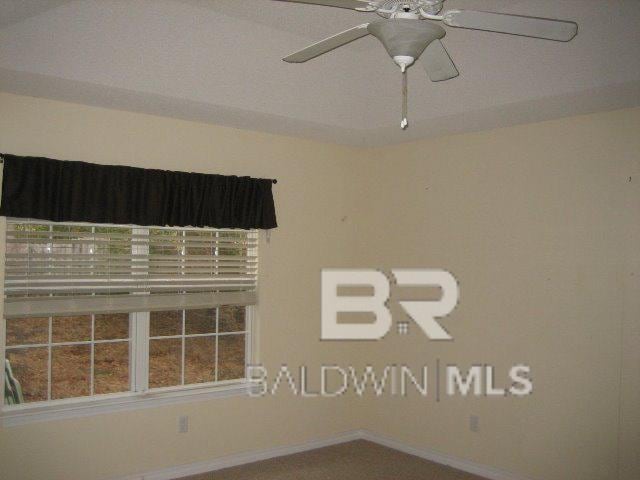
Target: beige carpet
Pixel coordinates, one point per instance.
(359, 460)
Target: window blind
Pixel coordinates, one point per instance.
(65, 268)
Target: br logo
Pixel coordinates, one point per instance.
(424, 313)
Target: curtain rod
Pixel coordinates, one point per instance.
(273, 180)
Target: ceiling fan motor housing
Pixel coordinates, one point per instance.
(390, 8)
(405, 39)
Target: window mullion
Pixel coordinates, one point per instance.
(92, 251)
(49, 357)
(50, 338)
(140, 329)
(217, 343)
(248, 339)
(184, 345)
(93, 355)
(141, 348)
(133, 348)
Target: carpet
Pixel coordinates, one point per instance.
(357, 460)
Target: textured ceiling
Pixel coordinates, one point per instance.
(219, 61)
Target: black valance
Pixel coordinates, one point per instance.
(60, 191)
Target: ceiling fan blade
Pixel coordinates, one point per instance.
(438, 63)
(351, 4)
(547, 28)
(328, 44)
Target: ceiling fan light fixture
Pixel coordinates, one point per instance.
(403, 61)
(405, 38)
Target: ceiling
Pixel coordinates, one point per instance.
(219, 61)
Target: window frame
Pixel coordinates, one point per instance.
(139, 395)
(136, 398)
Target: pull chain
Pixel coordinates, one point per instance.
(404, 123)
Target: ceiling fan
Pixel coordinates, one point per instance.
(406, 37)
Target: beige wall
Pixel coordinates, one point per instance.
(541, 225)
(538, 222)
(314, 179)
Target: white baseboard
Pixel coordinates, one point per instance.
(486, 471)
(196, 468)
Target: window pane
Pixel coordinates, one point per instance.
(70, 371)
(165, 360)
(23, 231)
(163, 324)
(200, 321)
(71, 239)
(23, 331)
(71, 329)
(231, 363)
(71, 228)
(165, 242)
(29, 368)
(200, 360)
(200, 243)
(230, 248)
(111, 367)
(232, 319)
(119, 240)
(112, 327)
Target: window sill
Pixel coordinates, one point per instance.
(79, 407)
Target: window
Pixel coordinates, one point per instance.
(197, 346)
(63, 357)
(101, 311)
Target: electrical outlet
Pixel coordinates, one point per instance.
(474, 423)
(183, 424)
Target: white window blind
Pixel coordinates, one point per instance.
(64, 269)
